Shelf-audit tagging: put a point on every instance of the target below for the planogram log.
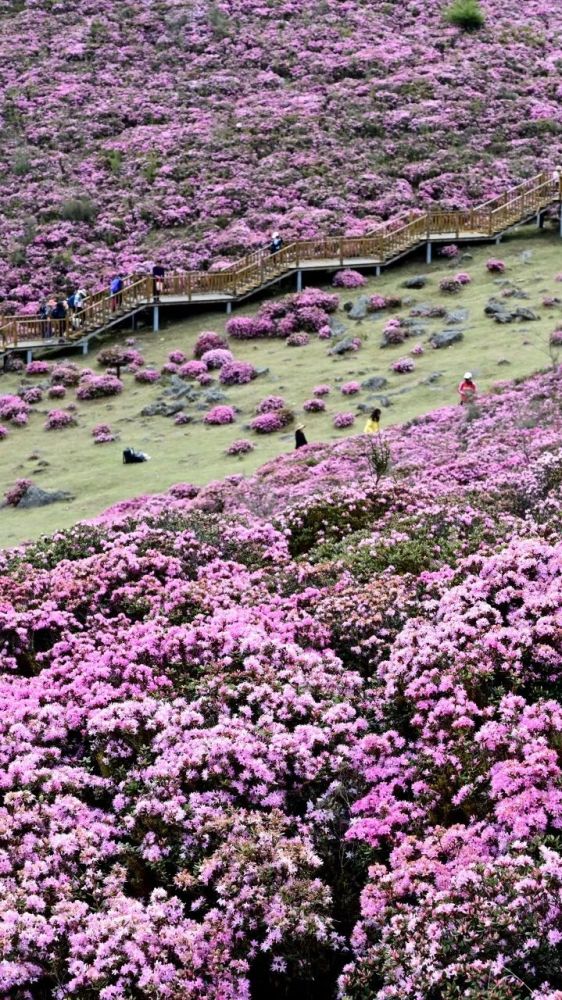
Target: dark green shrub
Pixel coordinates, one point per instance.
(78, 210)
(465, 14)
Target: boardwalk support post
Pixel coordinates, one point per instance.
(229, 307)
(29, 356)
(428, 252)
(498, 238)
(134, 322)
(156, 319)
(299, 281)
(85, 346)
(378, 271)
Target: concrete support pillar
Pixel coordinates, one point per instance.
(134, 322)
(156, 318)
(378, 271)
(539, 220)
(428, 253)
(29, 356)
(499, 238)
(85, 345)
(299, 281)
(228, 308)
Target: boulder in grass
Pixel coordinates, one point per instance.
(446, 338)
(375, 382)
(457, 316)
(162, 409)
(418, 281)
(523, 313)
(359, 308)
(36, 497)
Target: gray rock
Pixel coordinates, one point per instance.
(445, 338)
(503, 361)
(526, 256)
(418, 281)
(375, 382)
(359, 308)
(525, 314)
(364, 407)
(36, 497)
(161, 409)
(215, 396)
(466, 256)
(457, 315)
(336, 326)
(498, 311)
(427, 310)
(434, 377)
(262, 371)
(342, 347)
(385, 401)
(408, 301)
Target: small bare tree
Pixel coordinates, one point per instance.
(378, 456)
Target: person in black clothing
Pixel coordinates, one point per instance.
(158, 274)
(300, 439)
(276, 243)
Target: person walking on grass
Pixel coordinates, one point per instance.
(373, 423)
(467, 389)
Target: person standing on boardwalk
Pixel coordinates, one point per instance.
(373, 423)
(276, 243)
(116, 291)
(300, 439)
(467, 389)
(158, 274)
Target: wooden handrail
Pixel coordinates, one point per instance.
(382, 244)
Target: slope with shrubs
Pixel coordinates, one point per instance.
(297, 734)
(185, 131)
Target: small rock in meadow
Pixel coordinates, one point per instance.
(375, 382)
(336, 326)
(36, 497)
(445, 338)
(359, 308)
(526, 256)
(162, 409)
(418, 281)
(457, 315)
(503, 361)
(525, 314)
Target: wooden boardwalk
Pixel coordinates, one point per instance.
(383, 246)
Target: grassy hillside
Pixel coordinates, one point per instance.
(195, 453)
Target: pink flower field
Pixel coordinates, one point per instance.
(296, 734)
(184, 133)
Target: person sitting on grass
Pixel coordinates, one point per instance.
(467, 389)
(373, 423)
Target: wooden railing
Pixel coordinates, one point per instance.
(386, 242)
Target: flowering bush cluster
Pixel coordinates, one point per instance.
(298, 340)
(378, 302)
(463, 278)
(272, 420)
(402, 365)
(14, 409)
(451, 251)
(192, 369)
(237, 373)
(3, 432)
(56, 392)
(220, 415)
(239, 447)
(417, 350)
(495, 266)
(394, 332)
(351, 388)
(217, 358)
(32, 395)
(66, 374)
(349, 279)
(147, 376)
(17, 492)
(270, 403)
(341, 420)
(102, 434)
(97, 386)
(304, 312)
(208, 340)
(296, 728)
(450, 285)
(37, 368)
(120, 355)
(59, 419)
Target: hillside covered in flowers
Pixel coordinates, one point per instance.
(185, 131)
(298, 734)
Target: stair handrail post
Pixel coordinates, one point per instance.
(341, 250)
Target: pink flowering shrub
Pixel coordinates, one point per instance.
(37, 368)
(119, 355)
(56, 392)
(378, 302)
(403, 365)
(181, 419)
(169, 368)
(325, 332)
(394, 332)
(32, 395)
(556, 338)
(66, 374)
(58, 420)
(217, 358)
(270, 403)
(3, 432)
(463, 278)
(147, 376)
(208, 340)
(239, 447)
(349, 279)
(298, 340)
(450, 285)
(14, 409)
(321, 390)
(15, 493)
(102, 434)
(417, 350)
(205, 379)
(272, 420)
(177, 357)
(351, 388)
(242, 328)
(341, 420)
(451, 251)
(192, 369)
(495, 266)
(220, 415)
(314, 405)
(237, 373)
(97, 386)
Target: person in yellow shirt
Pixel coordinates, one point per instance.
(373, 424)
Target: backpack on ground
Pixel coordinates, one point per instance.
(131, 457)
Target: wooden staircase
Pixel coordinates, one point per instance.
(379, 248)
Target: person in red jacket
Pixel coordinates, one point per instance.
(467, 389)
